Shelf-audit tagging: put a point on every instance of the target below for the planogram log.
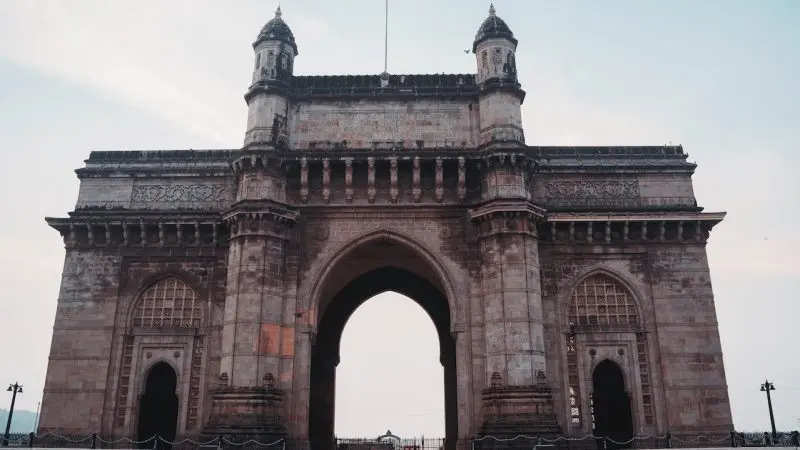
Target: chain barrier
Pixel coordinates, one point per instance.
(733, 439)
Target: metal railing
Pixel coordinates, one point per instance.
(587, 442)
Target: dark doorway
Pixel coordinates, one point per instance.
(158, 408)
(611, 405)
(325, 352)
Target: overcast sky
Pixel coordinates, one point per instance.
(718, 76)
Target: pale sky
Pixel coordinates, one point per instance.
(718, 76)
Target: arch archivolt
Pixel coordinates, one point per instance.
(314, 291)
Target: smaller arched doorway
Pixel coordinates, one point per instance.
(158, 407)
(611, 405)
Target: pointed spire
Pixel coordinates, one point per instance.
(491, 9)
(278, 11)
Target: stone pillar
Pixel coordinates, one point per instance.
(517, 399)
(247, 402)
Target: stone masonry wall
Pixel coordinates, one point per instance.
(362, 122)
(77, 372)
(695, 388)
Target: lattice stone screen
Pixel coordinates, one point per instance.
(169, 303)
(601, 300)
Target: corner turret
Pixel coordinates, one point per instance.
(501, 94)
(275, 50)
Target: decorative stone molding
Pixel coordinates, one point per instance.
(140, 231)
(262, 219)
(503, 217)
(629, 228)
(254, 160)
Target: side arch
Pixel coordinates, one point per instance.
(314, 290)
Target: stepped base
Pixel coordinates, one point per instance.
(240, 414)
(511, 411)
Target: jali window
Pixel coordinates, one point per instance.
(600, 300)
(169, 303)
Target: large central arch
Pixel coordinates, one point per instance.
(373, 266)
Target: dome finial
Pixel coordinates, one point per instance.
(491, 9)
(278, 11)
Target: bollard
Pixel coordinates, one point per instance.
(30, 439)
(733, 438)
(669, 439)
(219, 441)
(94, 440)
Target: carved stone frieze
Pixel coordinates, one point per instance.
(178, 193)
(582, 189)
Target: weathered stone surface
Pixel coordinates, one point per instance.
(539, 263)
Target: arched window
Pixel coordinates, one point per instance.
(270, 59)
(600, 300)
(169, 303)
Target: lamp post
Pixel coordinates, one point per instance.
(766, 387)
(15, 389)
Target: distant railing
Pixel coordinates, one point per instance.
(391, 442)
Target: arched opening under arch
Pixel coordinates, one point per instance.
(390, 373)
(158, 407)
(367, 271)
(611, 405)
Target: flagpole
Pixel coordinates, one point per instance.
(386, 39)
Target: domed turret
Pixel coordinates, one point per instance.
(276, 30)
(493, 27)
(501, 94)
(275, 51)
(494, 47)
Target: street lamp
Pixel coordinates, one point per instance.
(15, 389)
(766, 387)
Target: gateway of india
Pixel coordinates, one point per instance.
(204, 292)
